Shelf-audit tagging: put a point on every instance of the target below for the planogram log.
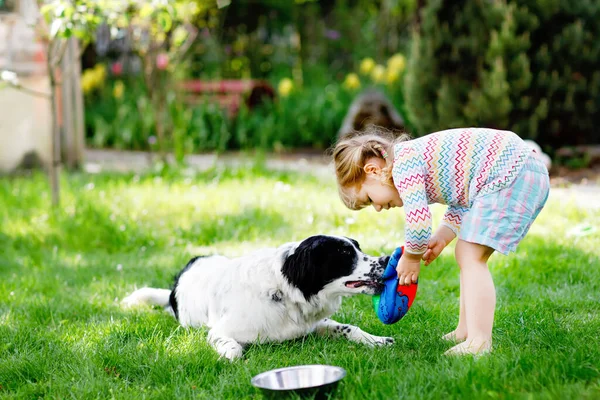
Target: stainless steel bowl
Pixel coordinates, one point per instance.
(318, 381)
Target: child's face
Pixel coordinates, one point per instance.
(374, 191)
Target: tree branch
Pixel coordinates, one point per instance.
(57, 56)
(185, 47)
(32, 92)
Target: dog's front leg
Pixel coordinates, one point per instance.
(329, 327)
(226, 347)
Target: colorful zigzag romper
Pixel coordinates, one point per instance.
(491, 180)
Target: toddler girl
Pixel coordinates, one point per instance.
(494, 187)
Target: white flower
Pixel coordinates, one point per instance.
(10, 77)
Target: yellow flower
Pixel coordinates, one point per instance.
(352, 81)
(378, 73)
(100, 73)
(118, 89)
(285, 87)
(391, 75)
(87, 81)
(366, 66)
(397, 63)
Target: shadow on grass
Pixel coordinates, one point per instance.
(94, 226)
(250, 224)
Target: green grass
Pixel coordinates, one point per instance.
(62, 274)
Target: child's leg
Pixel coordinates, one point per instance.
(479, 297)
(460, 333)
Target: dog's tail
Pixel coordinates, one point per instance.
(149, 296)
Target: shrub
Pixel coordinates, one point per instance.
(528, 66)
(307, 118)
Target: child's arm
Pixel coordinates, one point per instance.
(446, 233)
(409, 177)
(440, 239)
(453, 218)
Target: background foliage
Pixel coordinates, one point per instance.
(309, 67)
(524, 65)
(528, 66)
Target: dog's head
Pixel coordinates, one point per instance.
(333, 264)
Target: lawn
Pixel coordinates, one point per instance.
(62, 275)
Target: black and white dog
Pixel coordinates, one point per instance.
(273, 294)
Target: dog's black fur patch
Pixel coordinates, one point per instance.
(354, 242)
(172, 298)
(317, 261)
(378, 268)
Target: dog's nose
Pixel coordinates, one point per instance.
(384, 260)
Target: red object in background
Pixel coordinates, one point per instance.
(162, 61)
(229, 93)
(116, 68)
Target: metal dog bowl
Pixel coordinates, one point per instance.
(303, 380)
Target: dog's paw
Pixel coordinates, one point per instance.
(385, 341)
(374, 341)
(226, 347)
(231, 351)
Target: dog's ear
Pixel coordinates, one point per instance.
(300, 271)
(354, 242)
(318, 261)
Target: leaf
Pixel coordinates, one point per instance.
(68, 32)
(59, 10)
(165, 21)
(55, 28)
(68, 12)
(80, 34)
(46, 9)
(146, 11)
(179, 36)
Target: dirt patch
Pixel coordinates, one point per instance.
(563, 176)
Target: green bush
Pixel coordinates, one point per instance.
(528, 66)
(306, 118)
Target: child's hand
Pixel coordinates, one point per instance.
(434, 248)
(408, 268)
(437, 243)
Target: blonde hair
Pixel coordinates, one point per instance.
(352, 152)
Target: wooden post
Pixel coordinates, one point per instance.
(78, 107)
(55, 164)
(72, 107)
(66, 108)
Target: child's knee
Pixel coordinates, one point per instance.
(469, 254)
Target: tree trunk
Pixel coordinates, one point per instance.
(55, 163)
(72, 110)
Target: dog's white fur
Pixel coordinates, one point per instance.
(249, 300)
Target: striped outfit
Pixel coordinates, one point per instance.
(492, 185)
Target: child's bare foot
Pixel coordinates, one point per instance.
(470, 346)
(455, 336)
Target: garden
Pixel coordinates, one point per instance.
(525, 66)
(174, 80)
